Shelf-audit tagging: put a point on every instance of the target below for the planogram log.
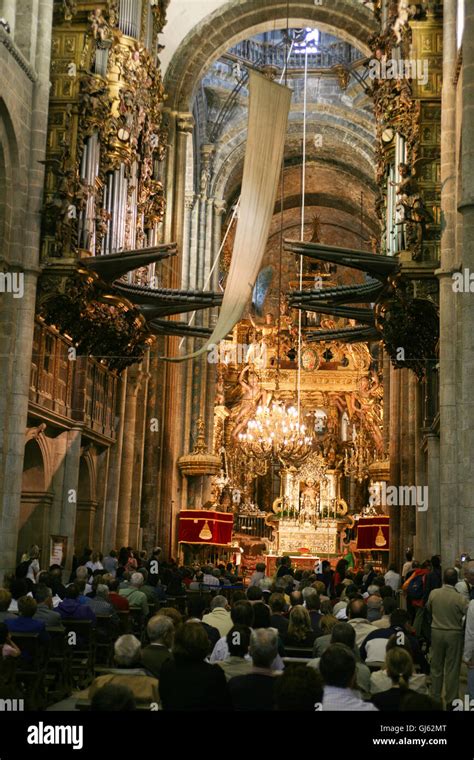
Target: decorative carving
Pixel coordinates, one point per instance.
(69, 9)
(122, 106)
(101, 325)
(410, 328)
(413, 214)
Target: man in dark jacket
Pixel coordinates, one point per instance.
(255, 691)
(434, 579)
(72, 609)
(160, 630)
(44, 611)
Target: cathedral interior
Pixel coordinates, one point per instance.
(236, 244)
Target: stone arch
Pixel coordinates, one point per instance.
(36, 498)
(347, 139)
(236, 21)
(9, 175)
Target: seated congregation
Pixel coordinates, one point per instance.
(149, 635)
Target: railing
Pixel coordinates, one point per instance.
(52, 374)
(254, 52)
(95, 397)
(252, 526)
(82, 389)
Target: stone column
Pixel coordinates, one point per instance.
(188, 207)
(140, 431)
(411, 472)
(431, 519)
(386, 400)
(115, 466)
(169, 121)
(423, 519)
(17, 318)
(67, 524)
(127, 468)
(171, 440)
(449, 452)
(394, 449)
(466, 207)
(401, 420)
(151, 463)
(16, 369)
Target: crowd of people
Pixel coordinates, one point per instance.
(329, 639)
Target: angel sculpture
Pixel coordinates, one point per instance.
(412, 214)
(252, 396)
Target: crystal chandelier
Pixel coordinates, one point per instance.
(276, 431)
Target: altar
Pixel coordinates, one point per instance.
(319, 538)
(298, 561)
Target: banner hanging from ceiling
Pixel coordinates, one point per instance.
(269, 105)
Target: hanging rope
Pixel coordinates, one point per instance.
(282, 204)
(303, 200)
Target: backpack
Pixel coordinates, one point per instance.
(416, 587)
(22, 569)
(470, 590)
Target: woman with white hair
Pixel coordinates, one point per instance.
(128, 672)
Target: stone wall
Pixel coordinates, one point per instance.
(24, 92)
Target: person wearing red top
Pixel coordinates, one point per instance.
(119, 602)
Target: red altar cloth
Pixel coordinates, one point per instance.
(205, 526)
(373, 533)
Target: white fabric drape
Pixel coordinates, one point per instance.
(269, 105)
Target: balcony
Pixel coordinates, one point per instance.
(66, 390)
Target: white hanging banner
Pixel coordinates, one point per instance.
(269, 106)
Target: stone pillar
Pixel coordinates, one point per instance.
(449, 452)
(430, 521)
(67, 524)
(188, 208)
(386, 405)
(401, 420)
(127, 467)
(102, 464)
(423, 519)
(412, 423)
(171, 440)
(466, 207)
(151, 458)
(394, 448)
(15, 372)
(115, 466)
(17, 318)
(140, 431)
